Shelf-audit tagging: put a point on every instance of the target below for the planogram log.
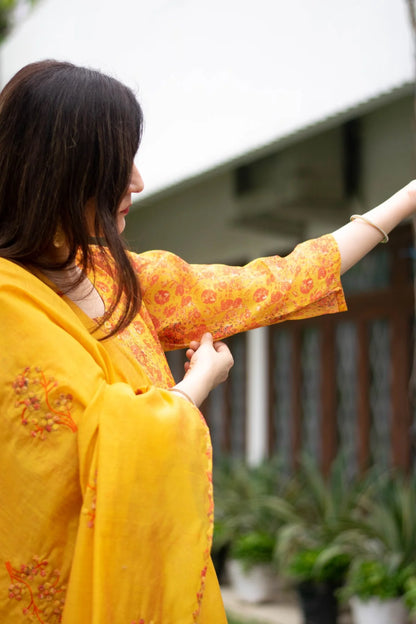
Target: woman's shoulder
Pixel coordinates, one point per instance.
(15, 275)
(151, 257)
(158, 264)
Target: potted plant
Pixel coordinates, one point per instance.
(410, 596)
(253, 548)
(317, 582)
(383, 547)
(307, 551)
(376, 589)
(247, 526)
(251, 569)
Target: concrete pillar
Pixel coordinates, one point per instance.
(257, 395)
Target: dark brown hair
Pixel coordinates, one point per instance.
(67, 134)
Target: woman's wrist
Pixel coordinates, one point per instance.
(182, 393)
(411, 193)
(196, 385)
(193, 388)
(396, 208)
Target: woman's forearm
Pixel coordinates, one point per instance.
(357, 238)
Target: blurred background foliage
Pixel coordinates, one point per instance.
(10, 12)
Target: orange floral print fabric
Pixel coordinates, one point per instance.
(181, 301)
(186, 300)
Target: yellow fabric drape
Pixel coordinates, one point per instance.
(107, 507)
(145, 548)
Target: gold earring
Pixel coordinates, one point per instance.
(58, 239)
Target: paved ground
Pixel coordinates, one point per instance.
(283, 611)
(269, 613)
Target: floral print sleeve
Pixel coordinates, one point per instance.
(185, 300)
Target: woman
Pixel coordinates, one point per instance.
(107, 505)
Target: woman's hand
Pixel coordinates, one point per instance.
(209, 364)
(214, 356)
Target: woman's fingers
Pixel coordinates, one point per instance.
(220, 346)
(207, 339)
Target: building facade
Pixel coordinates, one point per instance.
(331, 383)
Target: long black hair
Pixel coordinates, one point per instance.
(68, 134)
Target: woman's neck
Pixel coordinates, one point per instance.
(74, 284)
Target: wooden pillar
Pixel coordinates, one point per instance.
(400, 358)
(363, 398)
(226, 431)
(273, 398)
(329, 433)
(296, 398)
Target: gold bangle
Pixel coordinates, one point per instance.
(190, 399)
(378, 228)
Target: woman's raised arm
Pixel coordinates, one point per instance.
(357, 238)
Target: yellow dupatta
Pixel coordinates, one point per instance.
(106, 512)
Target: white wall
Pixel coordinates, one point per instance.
(389, 148)
(197, 223)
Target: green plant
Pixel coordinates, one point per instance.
(7, 10)
(410, 594)
(382, 540)
(253, 548)
(319, 510)
(244, 519)
(304, 566)
(232, 619)
(371, 578)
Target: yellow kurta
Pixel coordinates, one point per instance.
(106, 509)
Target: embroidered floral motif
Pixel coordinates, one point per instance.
(38, 589)
(200, 593)
(39, 412)
(93, 505)
(210, 513)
